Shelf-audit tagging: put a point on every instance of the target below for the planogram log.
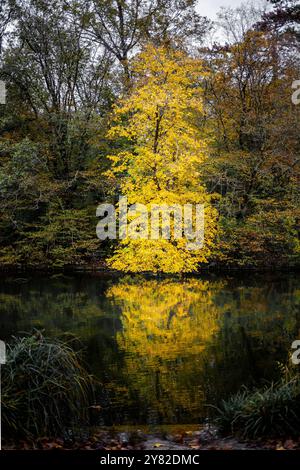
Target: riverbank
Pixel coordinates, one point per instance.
(103, 269)
(206, 438)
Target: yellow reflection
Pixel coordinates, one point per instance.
(167, 326)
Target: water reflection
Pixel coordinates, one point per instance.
(167, 328)
(162, 348)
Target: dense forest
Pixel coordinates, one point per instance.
(149, 99)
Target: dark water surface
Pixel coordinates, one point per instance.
(162, 349)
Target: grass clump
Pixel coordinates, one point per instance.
(45, 388)
(271, 411)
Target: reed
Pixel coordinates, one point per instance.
(45, 388)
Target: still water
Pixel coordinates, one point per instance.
(162, 349)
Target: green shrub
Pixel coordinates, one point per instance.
(273, 410)
(45, 389)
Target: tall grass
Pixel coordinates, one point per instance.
(45, 389)
(271, 411)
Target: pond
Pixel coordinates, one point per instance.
(163, 349)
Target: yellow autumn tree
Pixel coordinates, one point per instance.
(162, 161)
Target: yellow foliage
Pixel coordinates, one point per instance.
(163, 165)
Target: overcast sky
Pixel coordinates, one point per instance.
(210, 7)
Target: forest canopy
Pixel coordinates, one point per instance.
(149, 99)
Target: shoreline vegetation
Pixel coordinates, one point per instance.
(262, 418)
(270, 411)
(106, 270)
(45, 388)
(102, 266)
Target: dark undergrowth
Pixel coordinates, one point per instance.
(45, 388)
(270, 411)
